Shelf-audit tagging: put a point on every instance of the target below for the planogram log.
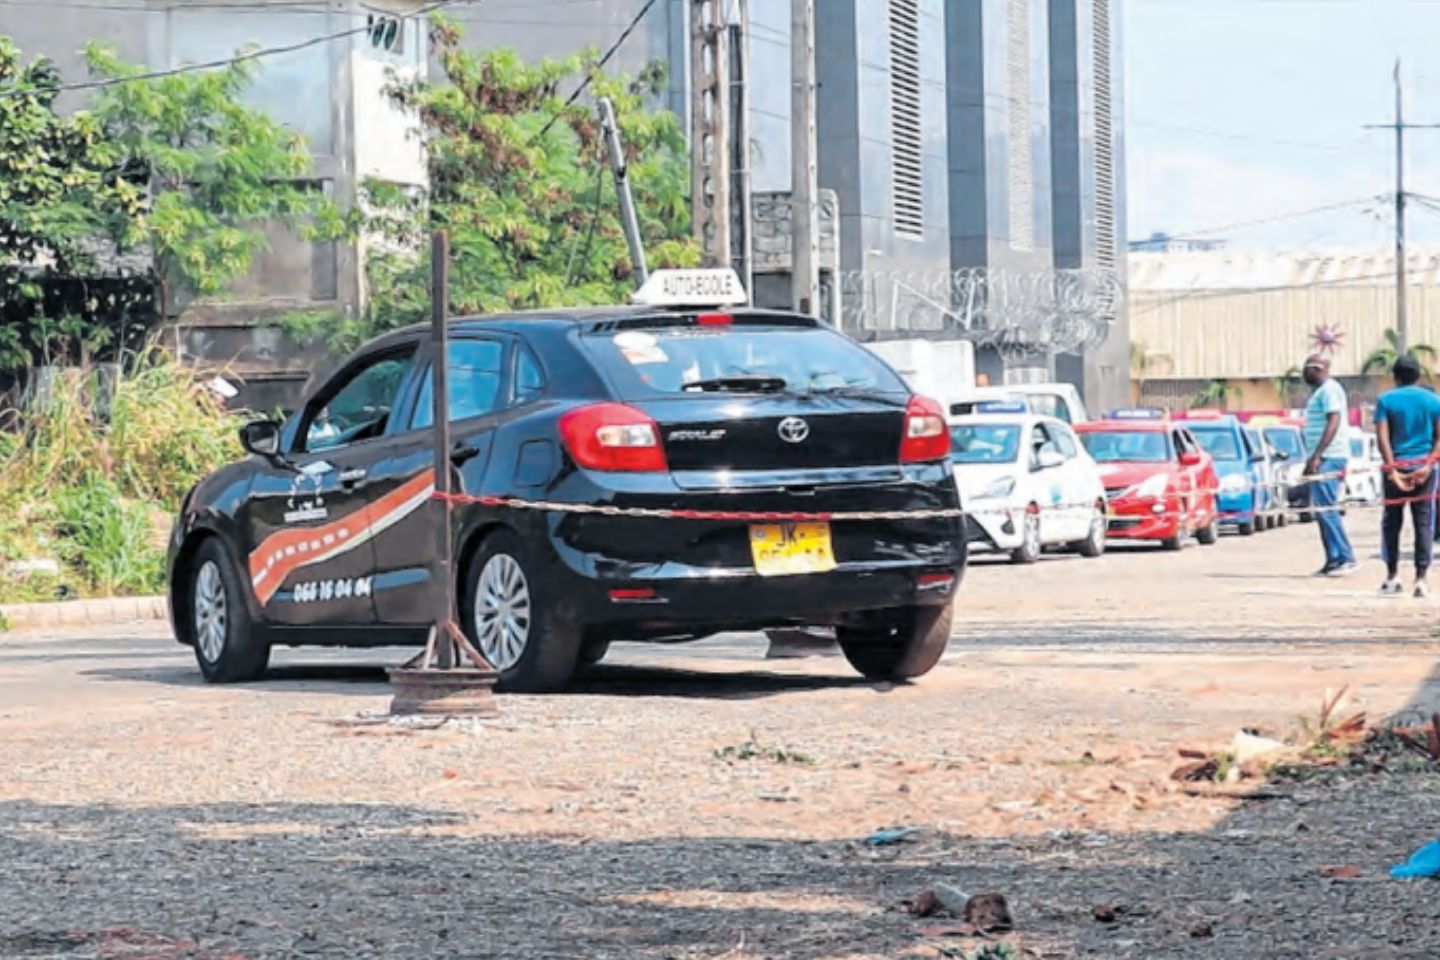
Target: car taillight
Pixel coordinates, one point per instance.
(613, 437)
(925, 437)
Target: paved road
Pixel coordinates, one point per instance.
(700, 800)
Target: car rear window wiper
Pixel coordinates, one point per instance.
(744, 383)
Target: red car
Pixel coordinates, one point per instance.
(1159, 481)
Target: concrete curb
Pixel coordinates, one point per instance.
(79, 613)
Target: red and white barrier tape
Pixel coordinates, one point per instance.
(796, 516)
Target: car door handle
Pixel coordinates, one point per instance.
(462, 452)
(348, 478)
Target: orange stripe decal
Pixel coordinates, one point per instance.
(285, 551)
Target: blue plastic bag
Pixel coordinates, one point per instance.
(883, 838)
(1424, 862)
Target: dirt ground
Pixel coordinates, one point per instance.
(705, 802)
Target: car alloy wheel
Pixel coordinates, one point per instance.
(211, 612)
(502, 611)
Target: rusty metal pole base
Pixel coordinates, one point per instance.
(461, 692)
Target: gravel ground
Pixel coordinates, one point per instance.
(704, 802)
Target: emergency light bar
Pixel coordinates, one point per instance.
(1002, 406)
(691, 288)
(1136, 413)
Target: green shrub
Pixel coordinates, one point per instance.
(86, 489)
(108, 539)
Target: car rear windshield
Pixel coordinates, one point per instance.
(1222, 444)
(1131, 446)
(1286, 441)
(984, 443)
(738, 358)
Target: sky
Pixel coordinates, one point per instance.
(1246, 110)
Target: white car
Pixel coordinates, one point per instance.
(1059, 400)
(1362, 472)
(1026, 484)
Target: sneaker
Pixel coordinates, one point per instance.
(1343, 569)
(1325, 570)
(1391, 588)
(1421, 590)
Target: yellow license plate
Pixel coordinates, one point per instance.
(786, 549)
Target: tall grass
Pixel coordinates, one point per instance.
(86, 476)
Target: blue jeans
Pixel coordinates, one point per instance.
(1325, 498)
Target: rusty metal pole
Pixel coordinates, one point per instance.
(444, 615)
(438, 681)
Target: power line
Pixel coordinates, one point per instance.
(281, 7)
(1277, 218)
(1226, 292)
(604, 59)
(217, 64)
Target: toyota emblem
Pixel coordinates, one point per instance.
(794, 430)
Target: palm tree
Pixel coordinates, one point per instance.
(1217, 393)
(1286, 384)
(1383, 357)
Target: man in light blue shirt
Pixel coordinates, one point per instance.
(1328, 448)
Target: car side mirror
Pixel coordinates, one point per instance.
(1049, 459)
(1190, 458)
(261, 437)
(1281, 455)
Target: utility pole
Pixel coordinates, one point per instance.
(1402, 318)
(710, 184)
(742, 216)
(804, 186)
(610, 128)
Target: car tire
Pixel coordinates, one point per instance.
(1209, 534)
(1306, 516)
(908, 646)
(1246, 528)
(1175, 543)
(537, 648)
(1094, 544)
(228, 647)
(593, 651)
(1029, 549)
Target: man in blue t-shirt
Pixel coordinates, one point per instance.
(1328, 450)
(1407, 424)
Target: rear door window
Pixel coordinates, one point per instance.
(475, 381)
(738, 358)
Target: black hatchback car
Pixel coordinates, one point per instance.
(319, 536)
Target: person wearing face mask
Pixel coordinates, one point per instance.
(1327, 447)
(1407, 425)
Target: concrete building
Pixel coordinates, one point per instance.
(973, 148)
(330, 93)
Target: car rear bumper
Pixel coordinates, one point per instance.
(679, 606)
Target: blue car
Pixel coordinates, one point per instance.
(1244, 497)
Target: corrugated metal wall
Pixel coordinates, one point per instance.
(1209, 334)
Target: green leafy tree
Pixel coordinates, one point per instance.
(217, 172)
(1216, 393)
(523, 186)
(1383, 357)
(58, 184)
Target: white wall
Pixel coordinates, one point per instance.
(940, 370)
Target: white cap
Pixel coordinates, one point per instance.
(691, 288)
